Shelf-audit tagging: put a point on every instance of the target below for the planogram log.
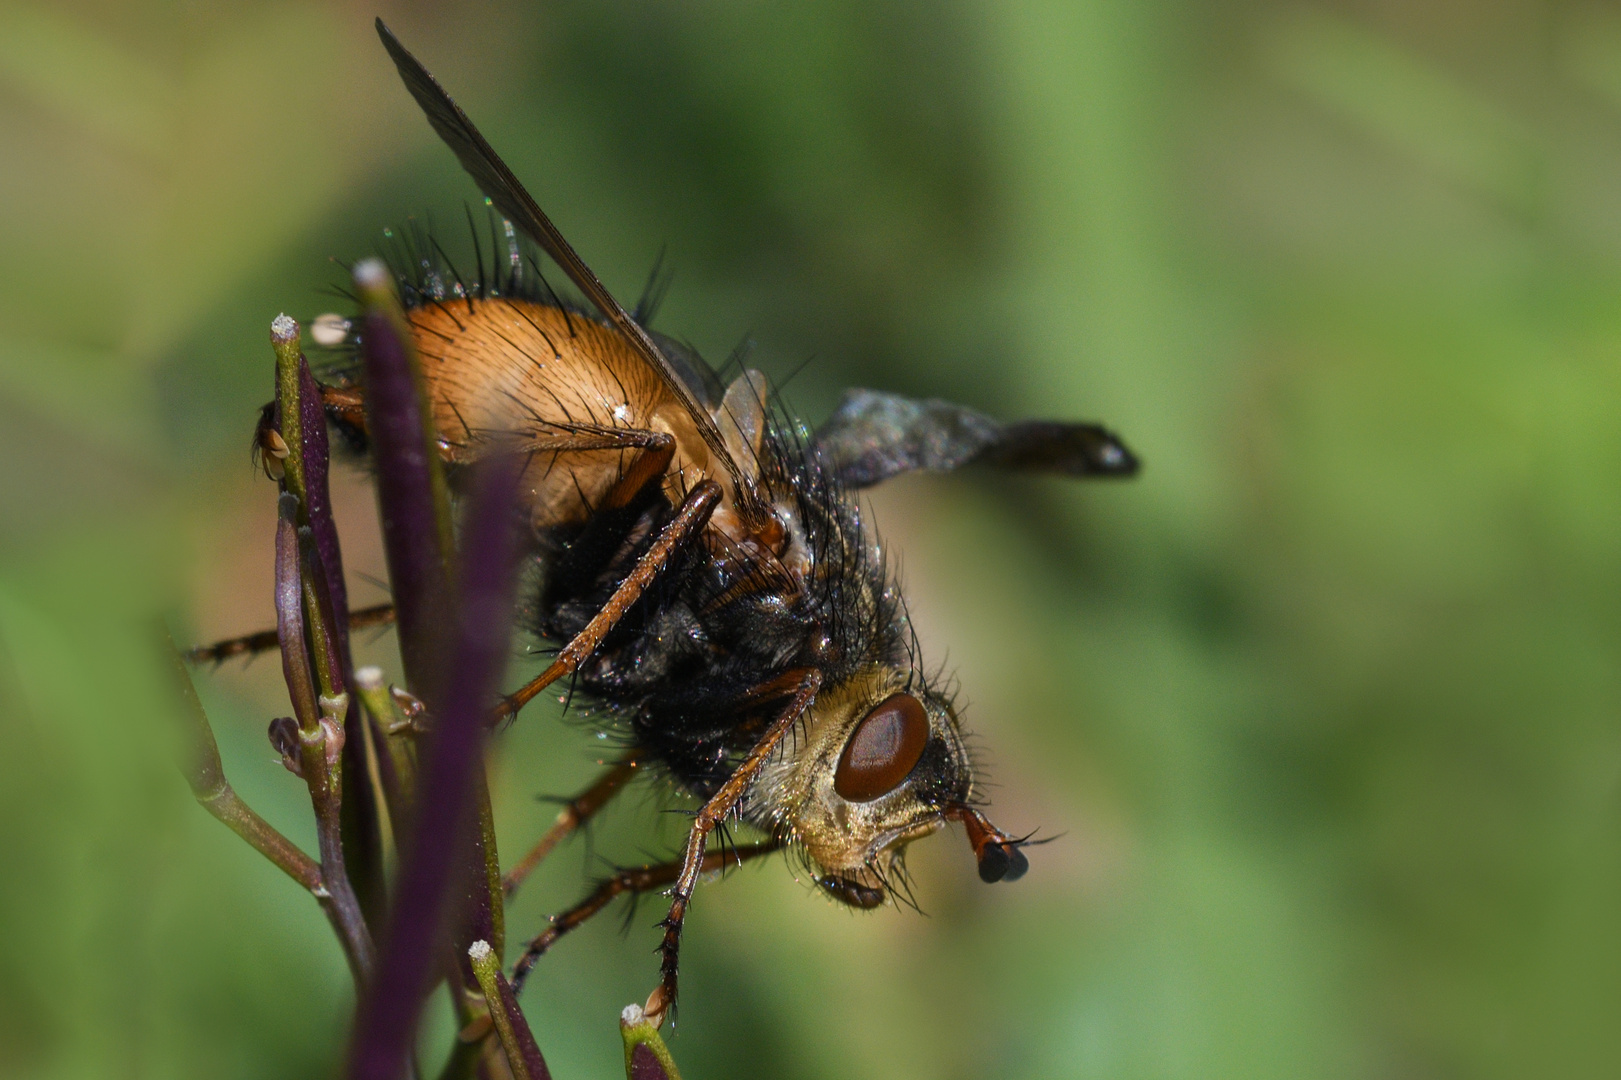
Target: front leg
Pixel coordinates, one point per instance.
(688, 522)
(662, 1000)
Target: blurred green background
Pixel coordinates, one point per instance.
(1325, 705)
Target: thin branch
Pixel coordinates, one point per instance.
(398, 741)
(302, 421)
(321, 739)
(516, 1039)
(206, 775)
(646, 1056)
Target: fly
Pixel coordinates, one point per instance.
(703, 565)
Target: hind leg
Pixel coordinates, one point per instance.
(634, 880)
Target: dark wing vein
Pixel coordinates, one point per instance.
(516, 205)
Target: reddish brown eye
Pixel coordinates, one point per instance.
(882, 749)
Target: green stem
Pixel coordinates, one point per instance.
(205, 773)
(286, 342)
(309, 635)
(517, 1040)
(487, 969)
(321, 755)
(399, 743)
(646, 1056)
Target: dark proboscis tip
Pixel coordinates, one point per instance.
(1017, 865)
(853, 893)
(993, 863)
(997, 853)
(1002, 862)
(873, 436)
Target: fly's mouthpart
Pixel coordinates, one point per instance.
(998, 854)
(847, 890)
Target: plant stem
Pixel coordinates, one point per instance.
(516, 1038)
(284, 340)
(321, 739)
(303, 428)
(322, 758)
(295, 657)
(488, 920)
(318, 618)
(307, 629)
(646, 1056)
(205, 773)
(454, 648)
(411, 491)
(399, 736)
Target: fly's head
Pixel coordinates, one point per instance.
(878, 762)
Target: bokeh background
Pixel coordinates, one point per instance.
(1325, 708)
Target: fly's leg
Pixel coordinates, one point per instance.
(639, 879)
(575, 813)
(265, 640)
(688, 522)
(662, 1000)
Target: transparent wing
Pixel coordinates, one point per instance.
(873, 436)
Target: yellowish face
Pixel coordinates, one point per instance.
(875, 766)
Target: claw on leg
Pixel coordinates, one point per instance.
(720, 804)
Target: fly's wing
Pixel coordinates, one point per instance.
(516, 205)
(874, 436)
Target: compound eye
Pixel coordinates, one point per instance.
(883, 749)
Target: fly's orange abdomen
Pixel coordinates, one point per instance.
(556, 385)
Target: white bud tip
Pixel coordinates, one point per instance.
(371, 274)
(283, 328)
(479, 950)
(632, 1015)
(369, 677)
(329, 330)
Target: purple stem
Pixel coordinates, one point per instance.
(412, 497)
(295, 659)
(403, 453)
(645, 1065)
(436, 882)
(528, 1049)
(325, 792)
(362, 817)
(317, 463)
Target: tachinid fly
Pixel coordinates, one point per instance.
(702, 563)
